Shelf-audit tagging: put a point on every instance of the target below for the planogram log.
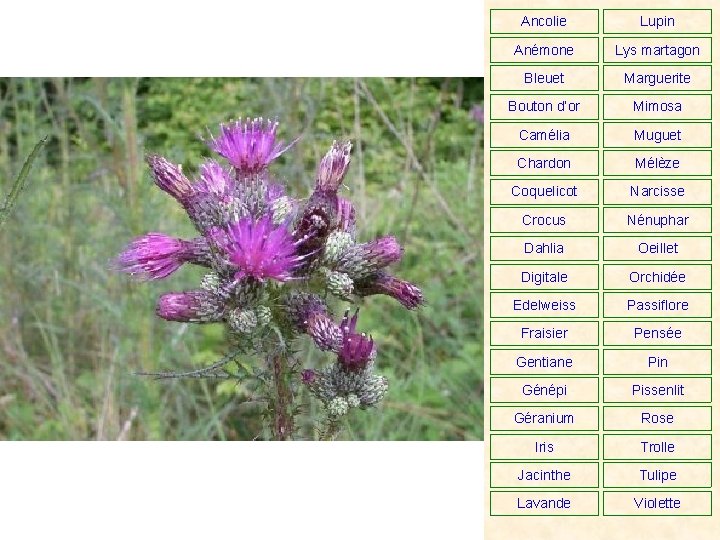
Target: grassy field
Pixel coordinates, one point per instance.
(73, 333)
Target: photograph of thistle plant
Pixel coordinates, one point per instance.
(311, 249)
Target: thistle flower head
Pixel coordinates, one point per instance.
(356, 349)
(169, 177)
(156, 255)
(248, 145)
(363, 260)
(333, 167)
(214, 180)
(198, 306)
(309, 314)
(258, 248)
(406, 293)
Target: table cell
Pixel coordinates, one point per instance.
(543, 418)
(657, 162)
(657, 418)
(539, 305)
(657, 390)
(543, 446)
(547, 49)
(544, 219)
(544, 248)
(552, 333)
(633, 78)
(546, 503)
(657, 49)
(660, 248)
(543, 362)
(545, 78)
(544, 135)
(644, 192)
(544, 475)
(651, 304)
(543, 276)
(657, 503)
(656, 475)
(544, 162)
(547, 192)
(655, 21)
(657, 446)
(657, 362)
(551, 107)
(657, 107)
(657, 276)
(544, 21)
(673, 219)
(657, 134)
(544, 390)
(645, 333)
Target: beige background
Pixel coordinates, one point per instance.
(525, 527)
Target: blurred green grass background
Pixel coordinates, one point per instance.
(72, 333)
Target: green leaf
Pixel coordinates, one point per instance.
(19, 184)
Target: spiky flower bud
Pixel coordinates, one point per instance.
(333, 167)
(338, 406)
(263, 315)
(210, 282)
(373, 390)
(353, 401)
(282, 207)
(169, 177)
(336, 244)
(199, 306)
(408, 294)
(243, 321)
(359, 388)
(362, 260)
(339, 284)
(309, 315)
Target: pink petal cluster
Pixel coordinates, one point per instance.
(258, 248)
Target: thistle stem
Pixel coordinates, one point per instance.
(331, 430)
(283, 421)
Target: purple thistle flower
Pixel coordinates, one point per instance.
(333, 167)
(363, 260)
(197, 306)
(309, 314)
(406, 293)
(259, 249)
(156, 256)
(356, 349)
(214, 180)
(346, 216)
(169, 177)
(249, 146)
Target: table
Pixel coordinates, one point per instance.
(599, 263)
